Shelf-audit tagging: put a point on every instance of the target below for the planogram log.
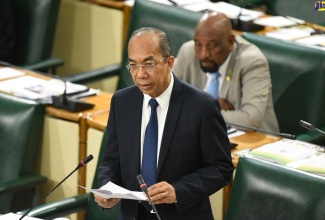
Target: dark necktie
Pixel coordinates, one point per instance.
(213, 87)
(150, 145)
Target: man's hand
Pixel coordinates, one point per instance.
(162, 192)
(226, 105)
(106, 203)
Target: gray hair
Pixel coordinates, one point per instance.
(164, 42)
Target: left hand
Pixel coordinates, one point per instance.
(162, 192)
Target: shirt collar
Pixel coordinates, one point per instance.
(163, 99)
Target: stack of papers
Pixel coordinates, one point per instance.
(232, 11)
(34, 88)
(288, 34)
(292, 153)
(314, 164)
(285, 151)
(7, 72)
(317, 40)
(278, 21)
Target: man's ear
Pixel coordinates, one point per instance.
(170, 62)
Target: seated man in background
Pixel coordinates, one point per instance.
(232, 70)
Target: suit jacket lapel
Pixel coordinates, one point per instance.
(229, 73)
(135, 123)
(171, 120)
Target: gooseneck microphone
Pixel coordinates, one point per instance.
(81, 164)
(143, 187)
(310, 126)
(283, 135)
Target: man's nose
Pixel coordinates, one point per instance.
(204, 53)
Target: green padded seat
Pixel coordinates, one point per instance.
(298, 88)
(21, 127)
(84, 202)
(35, 25)
(178, 23)
(263, 190)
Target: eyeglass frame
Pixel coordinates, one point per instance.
(146, 65)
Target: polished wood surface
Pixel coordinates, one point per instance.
(250, 140)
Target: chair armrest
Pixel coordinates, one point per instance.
(59, 208)
(94, 75)
(21, 183)
(49, 63)
(313, 137)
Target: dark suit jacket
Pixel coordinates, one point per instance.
(194, 155)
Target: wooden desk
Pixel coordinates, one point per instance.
(102, 105)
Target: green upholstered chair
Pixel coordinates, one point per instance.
(301, 9)
(35, 24)
(263, 190)
(178, 23)
(298, 88)
(84, 202)
(21, 127)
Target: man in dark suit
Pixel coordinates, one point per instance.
(192, 155)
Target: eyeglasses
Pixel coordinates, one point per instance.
(149, 67)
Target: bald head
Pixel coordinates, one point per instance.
(214, 23)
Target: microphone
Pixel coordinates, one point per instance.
(81, 164)
(310, 126)
(283, 135)
(143, 187)
(245, 26)
(70, 104)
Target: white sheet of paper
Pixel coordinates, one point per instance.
(111, 190)
(278, 21)
(12, 216)
(287, 34)
(7, 72)
(237, 133)
(232, 11)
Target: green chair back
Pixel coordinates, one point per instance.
(179, 24)
(94, 211)
(262, 190)
(21, 127)
(298, 76)
(35, 24)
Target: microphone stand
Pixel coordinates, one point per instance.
(283, 135)
(81, 164)
(143, 186)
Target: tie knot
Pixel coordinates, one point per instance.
(215, 74)
(153, 103)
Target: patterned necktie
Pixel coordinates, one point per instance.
(150, 145)
(213, 87)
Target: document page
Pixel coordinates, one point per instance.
(12, 216)
(111, 190)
